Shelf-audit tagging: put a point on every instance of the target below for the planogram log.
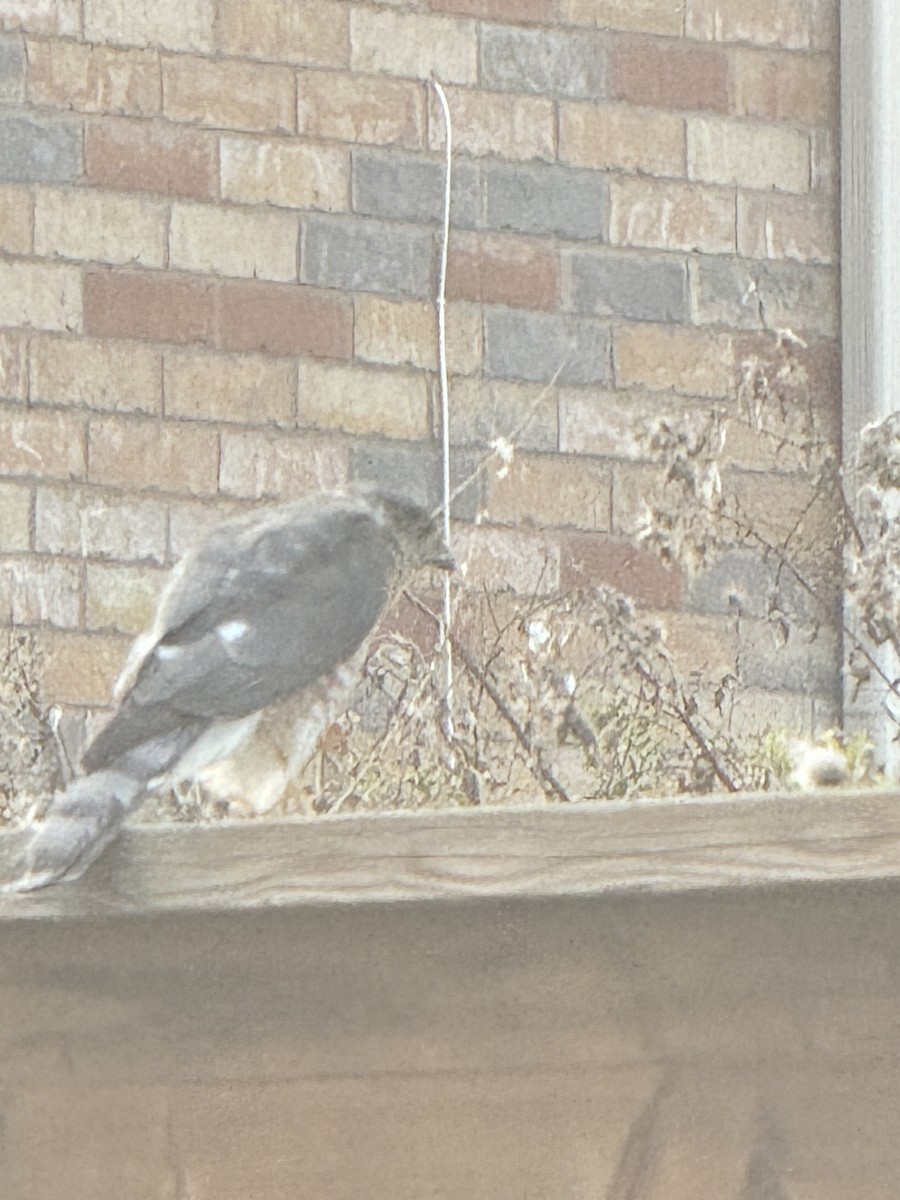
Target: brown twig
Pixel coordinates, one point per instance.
(546, 777)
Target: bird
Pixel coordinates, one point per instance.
(272, 605)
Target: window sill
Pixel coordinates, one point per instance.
(691, 845)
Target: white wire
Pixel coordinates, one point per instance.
(445, 398)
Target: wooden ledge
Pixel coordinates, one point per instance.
(591, 849)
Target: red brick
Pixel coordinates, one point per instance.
(667, 74)
(152, 306)
(150, 157)
(590, 559)
(285, 319)
(494, 269)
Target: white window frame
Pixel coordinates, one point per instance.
(870, 264)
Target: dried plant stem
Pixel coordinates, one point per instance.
(546, 777)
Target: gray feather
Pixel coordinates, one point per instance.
(272, 603)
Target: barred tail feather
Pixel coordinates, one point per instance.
(78, 825)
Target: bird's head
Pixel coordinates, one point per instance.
(418, 535)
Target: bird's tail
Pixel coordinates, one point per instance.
(78, 825)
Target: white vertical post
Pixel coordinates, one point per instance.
(870, 271)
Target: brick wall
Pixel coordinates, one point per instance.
(217, 248)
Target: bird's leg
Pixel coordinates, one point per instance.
(54, 717)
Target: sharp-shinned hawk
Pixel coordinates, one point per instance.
(270, 606)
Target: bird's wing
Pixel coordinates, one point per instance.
(256, 616)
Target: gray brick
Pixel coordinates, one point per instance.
(12, 68)
(547, 200)
(749, 584)
(543, 60)
(371, 256)
(520, 345)
(95, 524)
(808, 662)
(737, 583)
(629, 285)
(412, 189)
(792, 295)
(34, 150)
(414, 470)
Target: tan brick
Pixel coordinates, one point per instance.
(153, 157)
(42, 16)
(482, 410)
(16, 214)
(496, 269)
(664, 359)
(765, 22)
(104, 227)
(81, 668)
(15, 517)
(95, 79)
(259, 466)
(701, 643)
(604, 423)
(398, 332)
(465, 339)
(550, 491)
(99, 524)
(666, 215)
(612, 562)
(311, 32)
(40, 295)
(748, 154)
(635, 485)
(498, 559)
(229, 95)
(796, 227)
(363, 400)
(293, 175)
(122, 598)
(153, 307)
(780, 86)
(824, 22)
(414, 44)
(499, 10)
(13, 365)
(119, 377)
(248, 243)
(281, 319)
(824, 161)
(772, 505)
(593, 135)
(191, 521)
(515, 127)
(367, 110)
(42, 444)
(152, 455)
(404, 333)
(249, 389)
(668, 74)
(173, 24)
(39, 591)
(638, 16)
